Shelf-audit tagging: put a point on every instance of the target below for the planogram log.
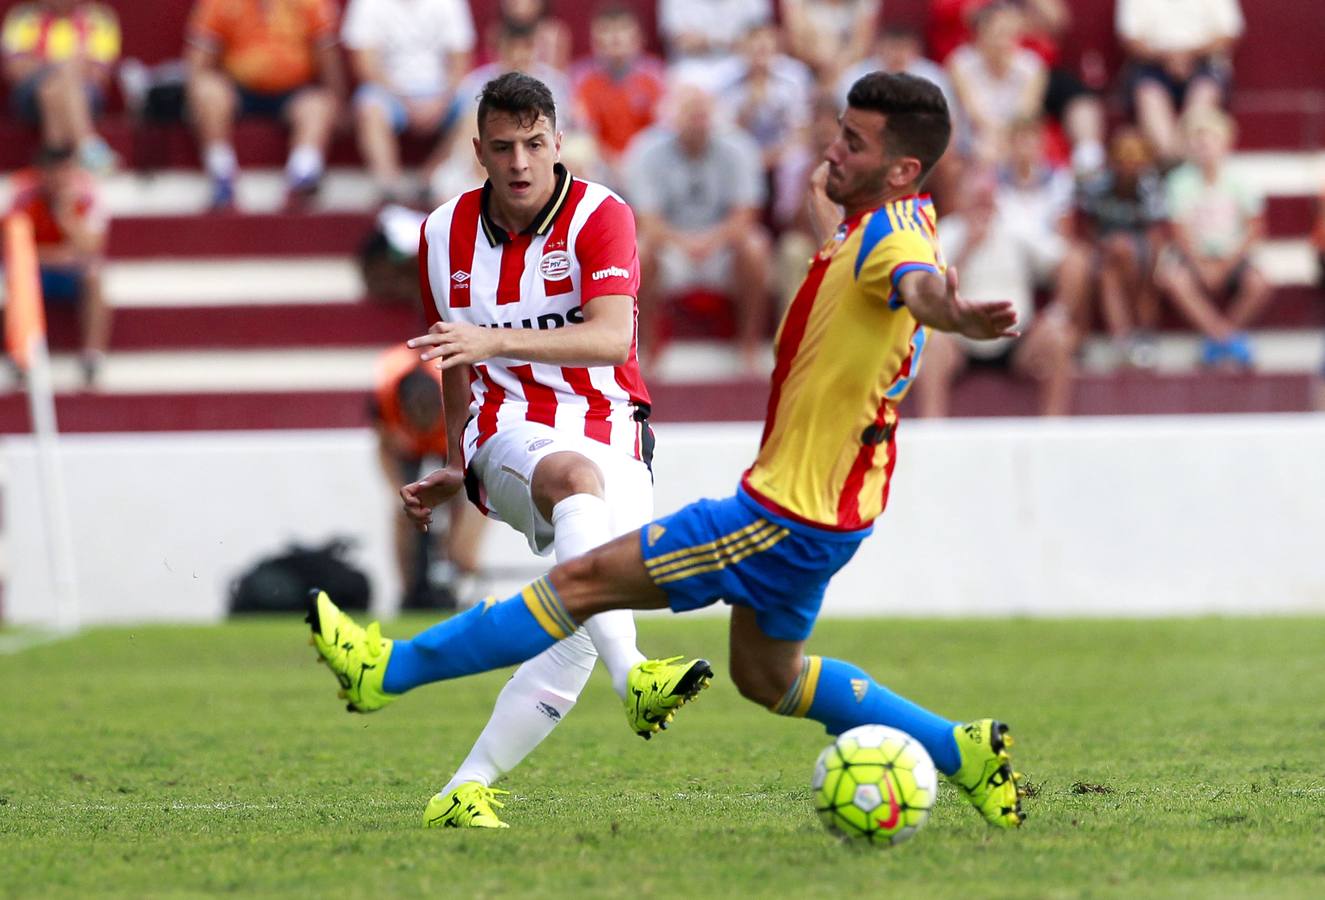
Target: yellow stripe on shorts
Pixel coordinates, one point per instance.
(728, 556)
(753, 537)
(700, 548)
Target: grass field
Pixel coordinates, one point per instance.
(1169, 758)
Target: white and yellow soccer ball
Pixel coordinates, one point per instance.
(874, 784)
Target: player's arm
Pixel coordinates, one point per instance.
(934, 301)
(440, 485)
(603, 339)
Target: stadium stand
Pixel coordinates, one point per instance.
(257, 319)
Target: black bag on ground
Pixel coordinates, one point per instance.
(281, 583)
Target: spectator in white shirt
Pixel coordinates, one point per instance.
(702, 36)
(1179, 52)
(769, 96)
(830, 35)
(408, 56)
(997, 80)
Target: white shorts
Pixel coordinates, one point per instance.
(505, 467)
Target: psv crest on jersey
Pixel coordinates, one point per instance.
(555, 266)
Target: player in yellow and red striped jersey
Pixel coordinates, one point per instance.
(846, 352)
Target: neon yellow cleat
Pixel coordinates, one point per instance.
(986, 778)
(469, 805)
(356, 655)
(657, 688)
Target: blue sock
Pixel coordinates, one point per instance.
(489, 636)
(842, 696)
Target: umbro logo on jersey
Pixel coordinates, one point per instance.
(610, 272)
(459, 278)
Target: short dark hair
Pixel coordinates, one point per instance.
(519, 95)
(916, 114)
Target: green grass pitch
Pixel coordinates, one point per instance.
(1169, 758)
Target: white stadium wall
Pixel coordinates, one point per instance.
(1092, 517)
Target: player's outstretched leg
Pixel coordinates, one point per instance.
(974, 757)
(357, 656)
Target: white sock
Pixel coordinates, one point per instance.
(219, 158)
(538, 696)
(580, 523)
(305, 162)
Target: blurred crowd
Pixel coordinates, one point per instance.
(1090, 198)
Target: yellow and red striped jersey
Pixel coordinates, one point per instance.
(847, 352)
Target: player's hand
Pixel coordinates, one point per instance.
(458, 344)
(982, 320)
(432, 490)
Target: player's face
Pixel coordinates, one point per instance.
(857, 161)
(519, 159)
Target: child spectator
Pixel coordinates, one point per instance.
(58, 56)
(1179, 52)
(408, 57)
(1122, 214)
(271, 58)
(1217, 221)
(69, 226)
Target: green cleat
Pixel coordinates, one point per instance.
(469, 805)
(986, 778)
(356, 655)
(657, 688)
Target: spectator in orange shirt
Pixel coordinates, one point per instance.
(69, 226)
(275, 58)
(437, 568)
(58, 56)
(617, 90)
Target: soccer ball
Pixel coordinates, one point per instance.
(876, 784)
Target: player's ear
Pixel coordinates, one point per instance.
(556, 146)
(903, 171)
(478, 144)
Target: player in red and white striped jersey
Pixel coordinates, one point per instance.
(529, 285)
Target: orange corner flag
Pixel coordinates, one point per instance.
(25, 320)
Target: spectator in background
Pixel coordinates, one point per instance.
(517, 51)
(437, 567)
(996, 79)
(271, 58)
(58, 56)
(830, 35)
(1121, 214)
(702, 37)
(69, 226)
(1004, 249)
(698, 190)
(769, 94)
(1067, 99)
(617, 90)
(408, 57)
(1217, 221)
(1179, 61)
(552, 36)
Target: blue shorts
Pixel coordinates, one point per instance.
(736, 551)
(396, 113)
(61, 283)
(23, 97)
(263, 105)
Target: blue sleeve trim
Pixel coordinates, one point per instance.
(894, 301)
(879, 227)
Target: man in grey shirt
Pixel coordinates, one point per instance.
(697, 190)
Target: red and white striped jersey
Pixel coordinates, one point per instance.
(579, 247)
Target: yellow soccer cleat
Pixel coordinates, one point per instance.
(356, 655)
(657, 688)
(469, 805)
(986, 778)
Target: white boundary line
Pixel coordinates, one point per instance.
(12, 644)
